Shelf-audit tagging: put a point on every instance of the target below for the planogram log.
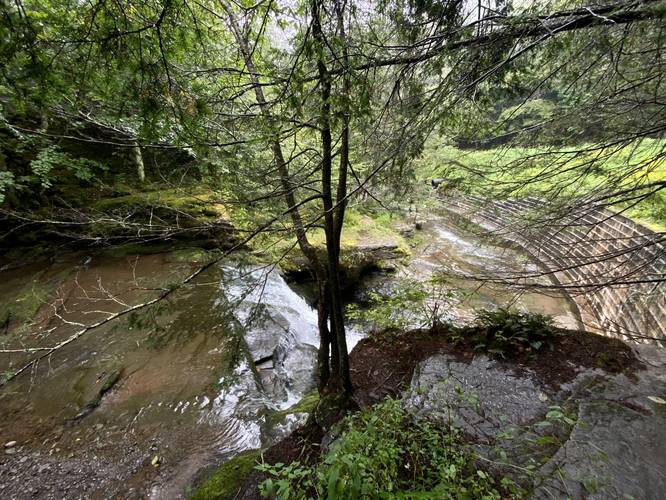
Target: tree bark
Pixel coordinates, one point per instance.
(341, 195)
(325, 366)
(137, 157)
(332, 239)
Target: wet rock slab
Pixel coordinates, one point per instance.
(278, 327)
(614, 449)
(617, 448)
(479, 397)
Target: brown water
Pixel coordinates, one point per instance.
(184, 387)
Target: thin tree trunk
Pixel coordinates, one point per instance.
(341, 195)
(324, 354)
(296, 219)
(332, 243)
(137, 157)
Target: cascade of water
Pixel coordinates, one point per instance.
(279, 326)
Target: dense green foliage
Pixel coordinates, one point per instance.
(558, 175)
(505, 333)
(168, 76)
(388, 452)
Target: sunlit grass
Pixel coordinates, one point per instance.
(556, 172)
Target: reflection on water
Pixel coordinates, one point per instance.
(182, 370)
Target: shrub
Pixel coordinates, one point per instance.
(410, 304)
(387, 452)
(506, 332)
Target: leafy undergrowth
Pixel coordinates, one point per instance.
(529, 339)
(388, 452)
(505, 333)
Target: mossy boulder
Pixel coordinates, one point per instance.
(306, 405)
(158, 215)
(228, 479)
(196, 203)
(171, 213)
(367, 243)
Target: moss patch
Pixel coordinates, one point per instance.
(186, 215)
(306, 405)
(197, 255)
(228, 479)
(23, 306)
(26, 304)
(202, 204)
(367, 240)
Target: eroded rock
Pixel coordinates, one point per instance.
(480, 397)
(604, 436)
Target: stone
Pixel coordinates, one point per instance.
(10, 444)
(480, 397)
(294, 371)
(612, 447)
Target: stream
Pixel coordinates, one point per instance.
(462, 258)
(146, 403)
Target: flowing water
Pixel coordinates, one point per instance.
(141, 404)
(480, 274)
(174, 383)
